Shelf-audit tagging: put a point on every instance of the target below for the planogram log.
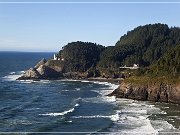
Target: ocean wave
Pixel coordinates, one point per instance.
(76, 105)
(135, 111)
(136, 116)
(106, 91)
(13, 76)
(20, 122)
(33, 81)
(58, 114)
(110, 99)
(30, 109)
(77, 89)
(28, 81)
(162, 125)
(114, 117)
(44, 81)
(12, 73)
(61, 113)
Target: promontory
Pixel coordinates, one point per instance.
(146, 61)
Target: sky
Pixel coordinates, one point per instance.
(47, 27)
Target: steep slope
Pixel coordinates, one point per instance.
(144, 45)
(80, 56)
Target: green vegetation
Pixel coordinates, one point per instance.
(80, 56)
(168, 64)
(155, 47)
(144, 45)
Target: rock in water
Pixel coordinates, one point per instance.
(32, 73)
(41, 62)
(48, 73)
(43, 70)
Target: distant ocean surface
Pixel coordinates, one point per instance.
(72, 105)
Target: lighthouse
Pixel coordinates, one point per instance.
(55, 58)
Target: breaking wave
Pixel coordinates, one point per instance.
(60, 113)
(114, 117)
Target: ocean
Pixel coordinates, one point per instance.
(74, 106)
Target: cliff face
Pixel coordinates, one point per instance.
(157, 93)
(44, 70)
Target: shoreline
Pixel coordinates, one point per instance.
(110, 80)
(162, 92)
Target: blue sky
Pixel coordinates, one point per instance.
(47, 27)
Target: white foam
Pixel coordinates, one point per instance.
(114, 117)
(22, 72)
(161, 125)
(12, 73)
(135, 118)
(44, 81)
(76, 105)
(108, 90)
(77, 89)
(84, 81)
(58, 114)
(13, 76)
(28, 81)
(135, 111)
(110, 99)
(30, 109)
(61, 113)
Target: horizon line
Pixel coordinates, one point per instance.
(89, 2)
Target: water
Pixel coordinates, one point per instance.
(73, 106)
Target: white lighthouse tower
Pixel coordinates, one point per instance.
(55, 58)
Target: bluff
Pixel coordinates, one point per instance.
(80, 56)
(154, 47)
(162, 92)
(144, 45)
(76, 60)
(44, 70)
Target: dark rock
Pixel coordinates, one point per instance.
(47, 72)
(32, 73)
(43, 70)
(156, 93)
(72, 75)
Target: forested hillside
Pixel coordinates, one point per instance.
(155, 47)
(80, 56)
(168, 64)
(144, 45)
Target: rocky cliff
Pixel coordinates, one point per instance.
(44, 69)
(54, 69)
(158, 93)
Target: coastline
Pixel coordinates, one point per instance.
(133, 87)
(109, 80)
(133, 104)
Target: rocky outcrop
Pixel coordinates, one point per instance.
(32, 73)
(157, 93)
(43, 70)
(48, 73)
(41, 62)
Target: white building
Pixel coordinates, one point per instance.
(135, 66)
(55, 58)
